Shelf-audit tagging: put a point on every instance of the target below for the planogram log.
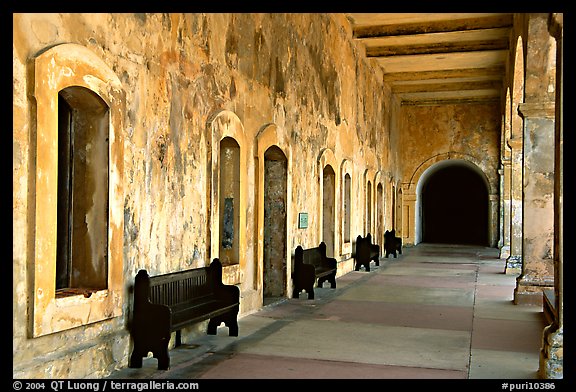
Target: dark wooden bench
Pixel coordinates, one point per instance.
(169, 302)
(365, 252)
(309, 265)
(392, 244)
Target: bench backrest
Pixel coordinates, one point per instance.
(315, 256)
(177, 287)
(363, 247)
(180, 287)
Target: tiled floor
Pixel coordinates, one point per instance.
(438, 311)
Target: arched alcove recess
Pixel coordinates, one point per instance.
(379, 223)
(327, 158)
(390, 204)
(411, 201)
(368, 199)
(268, 136)
(55, 70)
(345, 234)
(226, 124)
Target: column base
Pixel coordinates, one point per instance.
(552, 353)
(530, 291)
(514, 264)
(528, 298)
(504, 252)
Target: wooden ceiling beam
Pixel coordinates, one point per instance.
(497, 71)
(461, 41)
(447, 85)
(433, 26)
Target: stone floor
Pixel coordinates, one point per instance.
(436, 312)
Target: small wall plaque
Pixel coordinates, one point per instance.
(303, 220)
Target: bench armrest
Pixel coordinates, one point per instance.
(331, 262)
(152, 319)
(227, 293)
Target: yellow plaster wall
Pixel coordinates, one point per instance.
(299, 72)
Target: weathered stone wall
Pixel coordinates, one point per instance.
(300, 72)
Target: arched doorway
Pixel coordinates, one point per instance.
(454, 205)
(275, 207)
(329, 208)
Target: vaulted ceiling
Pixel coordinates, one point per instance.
(430, 58)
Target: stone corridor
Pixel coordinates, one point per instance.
(162, 141)
(436, 312)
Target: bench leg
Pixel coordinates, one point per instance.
(160, 351)
(136, 359)
(232, 327)
(310, 293)
(332, 281)
(164, 358)
(229, 319)
(295, 293)
(213, 326)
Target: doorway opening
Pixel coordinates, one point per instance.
(454, 206)
(275, 237)
(329, 208)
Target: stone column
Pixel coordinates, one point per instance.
(552, 352)
(514, 260)
(493, 212)
(505, 174)
(538, 203)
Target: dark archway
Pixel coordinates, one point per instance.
(455, 207)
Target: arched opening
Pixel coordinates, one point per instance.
(82, 212)
(229, 201)
(379, 235)
(454, 205)
(368, 208)
(347, 209)
(393, 209)
(275, 204)
(329, 208)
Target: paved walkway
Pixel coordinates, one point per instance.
(436, 312)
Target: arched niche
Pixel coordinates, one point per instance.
(346, 173)
(227, 194)
(72, 75)
(328, 206)
(272, 146)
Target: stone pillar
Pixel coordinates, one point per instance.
(552, 352)
(514, 260)
(493, 212)
(505, 174)
(538, 203)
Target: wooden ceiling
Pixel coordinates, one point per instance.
(432, 58)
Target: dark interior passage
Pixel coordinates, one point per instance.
(455, 207)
